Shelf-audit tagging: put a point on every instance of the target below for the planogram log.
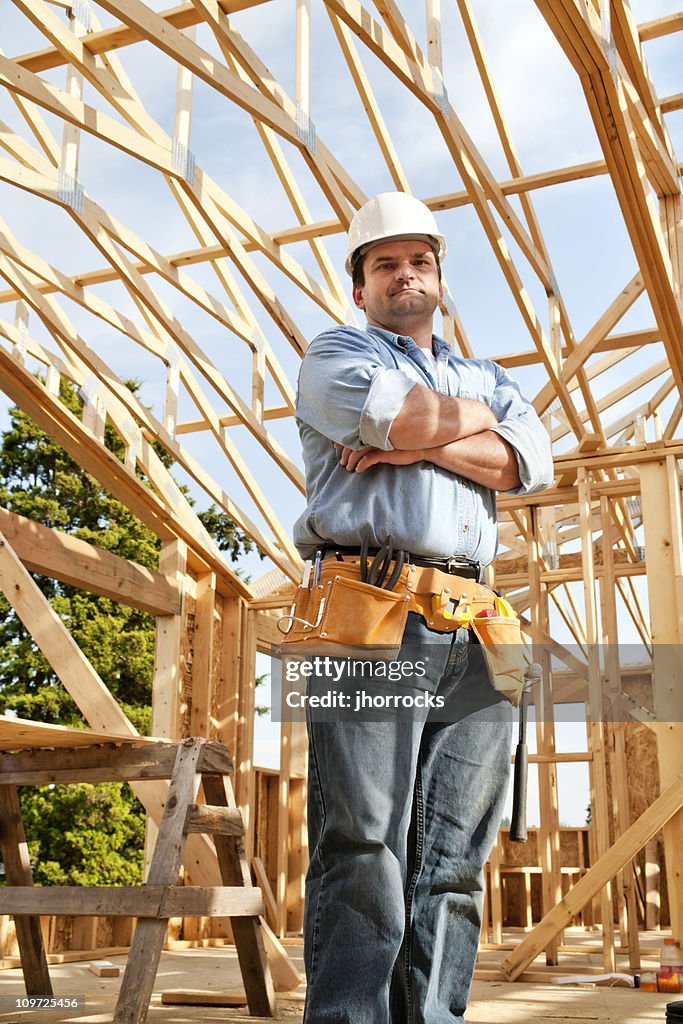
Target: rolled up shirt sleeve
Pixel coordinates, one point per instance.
(519, 425)
(347, 394)
(388, 391)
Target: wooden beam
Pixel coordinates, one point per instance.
(118, 36)
(671, 103)
(70, 560)
(662, 524)
(158, 902)
(119, 760)
(661, 26)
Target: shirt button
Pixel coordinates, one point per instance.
(465, 528)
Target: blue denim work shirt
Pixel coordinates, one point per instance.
(352, 384)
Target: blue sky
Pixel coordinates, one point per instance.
(549, 124)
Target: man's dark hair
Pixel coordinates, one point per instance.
(358, 274)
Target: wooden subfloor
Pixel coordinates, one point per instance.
(216, 969)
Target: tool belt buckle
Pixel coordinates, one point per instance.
(454, 564)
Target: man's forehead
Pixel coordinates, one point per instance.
(402, 247)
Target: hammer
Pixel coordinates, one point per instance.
(518, 831)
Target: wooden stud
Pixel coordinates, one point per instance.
(596, 730)
(661, 503)
(548, 835)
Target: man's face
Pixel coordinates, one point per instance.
(402, 286)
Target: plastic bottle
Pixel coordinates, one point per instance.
(670, 974)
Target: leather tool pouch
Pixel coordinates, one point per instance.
(345, 616)
(501, 643)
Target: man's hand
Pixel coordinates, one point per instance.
(484, 458)
(359, 461)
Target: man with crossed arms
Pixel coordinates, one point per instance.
(403, 439)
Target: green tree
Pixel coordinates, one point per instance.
(82, 834)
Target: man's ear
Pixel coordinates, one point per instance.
(358, 296)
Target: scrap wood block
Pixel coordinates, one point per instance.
(105, 969)
(192, 997)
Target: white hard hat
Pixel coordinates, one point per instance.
(392, 215)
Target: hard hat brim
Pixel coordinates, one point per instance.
(436, 243)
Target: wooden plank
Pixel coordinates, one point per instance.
(264, 884)
(189, 997)
(104, 969)
(158, 902)
(166, 683)
(661, 26)
(595, 879)
(15, 858)
(203, 656)
(670, 103)
(244, 740)
(218, 901)
(21, 734)
(139, 758)
(594, 715)
(70, 560)
(616, 735)
(285, 975)
(282, 825)
(117, 36)
(297, 840)
(548, 833)
(661, 509)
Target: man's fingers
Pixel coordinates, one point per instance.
(350, 458)
(355, 458)
(370, 457)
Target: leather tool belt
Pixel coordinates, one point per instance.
(339, 614)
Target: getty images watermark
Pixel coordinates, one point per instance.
(629, 683)
(328, 672)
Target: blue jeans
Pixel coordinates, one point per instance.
(402, 814)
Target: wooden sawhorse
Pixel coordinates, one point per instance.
(187, 764)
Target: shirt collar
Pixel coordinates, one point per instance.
(403, 342)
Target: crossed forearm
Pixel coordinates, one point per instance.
(483, 458)
(428, 419)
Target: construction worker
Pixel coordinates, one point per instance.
(404, 440)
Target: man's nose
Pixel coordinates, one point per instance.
(405, 271)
